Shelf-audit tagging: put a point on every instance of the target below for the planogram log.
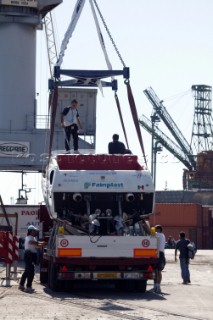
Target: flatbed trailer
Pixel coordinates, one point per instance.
(120, 260)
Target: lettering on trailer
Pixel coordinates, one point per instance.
(110, 185)
(14, 149)
(20, 3)
(29, 213)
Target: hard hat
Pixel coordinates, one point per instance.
(31, 227)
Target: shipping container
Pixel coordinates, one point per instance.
(194, 219)
(177, 214)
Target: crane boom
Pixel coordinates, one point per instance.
(171, 125)
(51, 42)
(170, 145)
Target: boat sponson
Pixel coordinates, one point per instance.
(97, 162)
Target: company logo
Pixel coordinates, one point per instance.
(86, 185)
(11, 149)
(107, 185)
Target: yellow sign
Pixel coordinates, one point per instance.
(21, 3)
(107, 275)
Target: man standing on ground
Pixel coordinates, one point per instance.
(70, 121)
(181, 245)
(161, 240)
(30, 258)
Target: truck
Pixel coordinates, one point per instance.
(99, 205)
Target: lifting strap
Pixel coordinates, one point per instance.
(135, 117)
(53, 109)
(121, 118)
(75, 16)
(109, 65)
(100, 36)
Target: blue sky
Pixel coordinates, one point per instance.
(168, 45)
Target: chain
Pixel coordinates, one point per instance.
(109, 34)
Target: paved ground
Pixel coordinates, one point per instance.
(178, 301)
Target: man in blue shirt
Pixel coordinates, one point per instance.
(181, 245)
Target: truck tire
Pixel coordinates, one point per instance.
(140, 285)
(53, 283)
(43, 268)
(43, 277)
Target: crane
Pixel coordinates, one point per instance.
(202, 132)
(165, 141)
(50, 41)
(161, 111)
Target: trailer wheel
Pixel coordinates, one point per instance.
(140, 285)
(43, 277)
(126, 285)
(53, 283)
(43, 269)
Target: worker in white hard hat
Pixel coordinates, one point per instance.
(30, 258)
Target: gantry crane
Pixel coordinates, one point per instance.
(202, 131)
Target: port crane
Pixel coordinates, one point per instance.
(162, 112)
(50, 41)
(165, 141)
(198, 166)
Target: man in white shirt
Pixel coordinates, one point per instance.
(30, 258)
(70, 121)
(161, 240)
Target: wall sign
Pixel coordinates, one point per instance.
(22, 3)
(14, 149)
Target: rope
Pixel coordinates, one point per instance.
(109, 34)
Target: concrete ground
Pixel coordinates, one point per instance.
(177, 301)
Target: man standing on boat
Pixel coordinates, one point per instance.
(70, 122)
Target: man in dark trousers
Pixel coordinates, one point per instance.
(117, 147)
(30, 258)
(70, 122)
(181, 245)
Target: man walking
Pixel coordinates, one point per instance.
(181, 245)
(70, 121)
